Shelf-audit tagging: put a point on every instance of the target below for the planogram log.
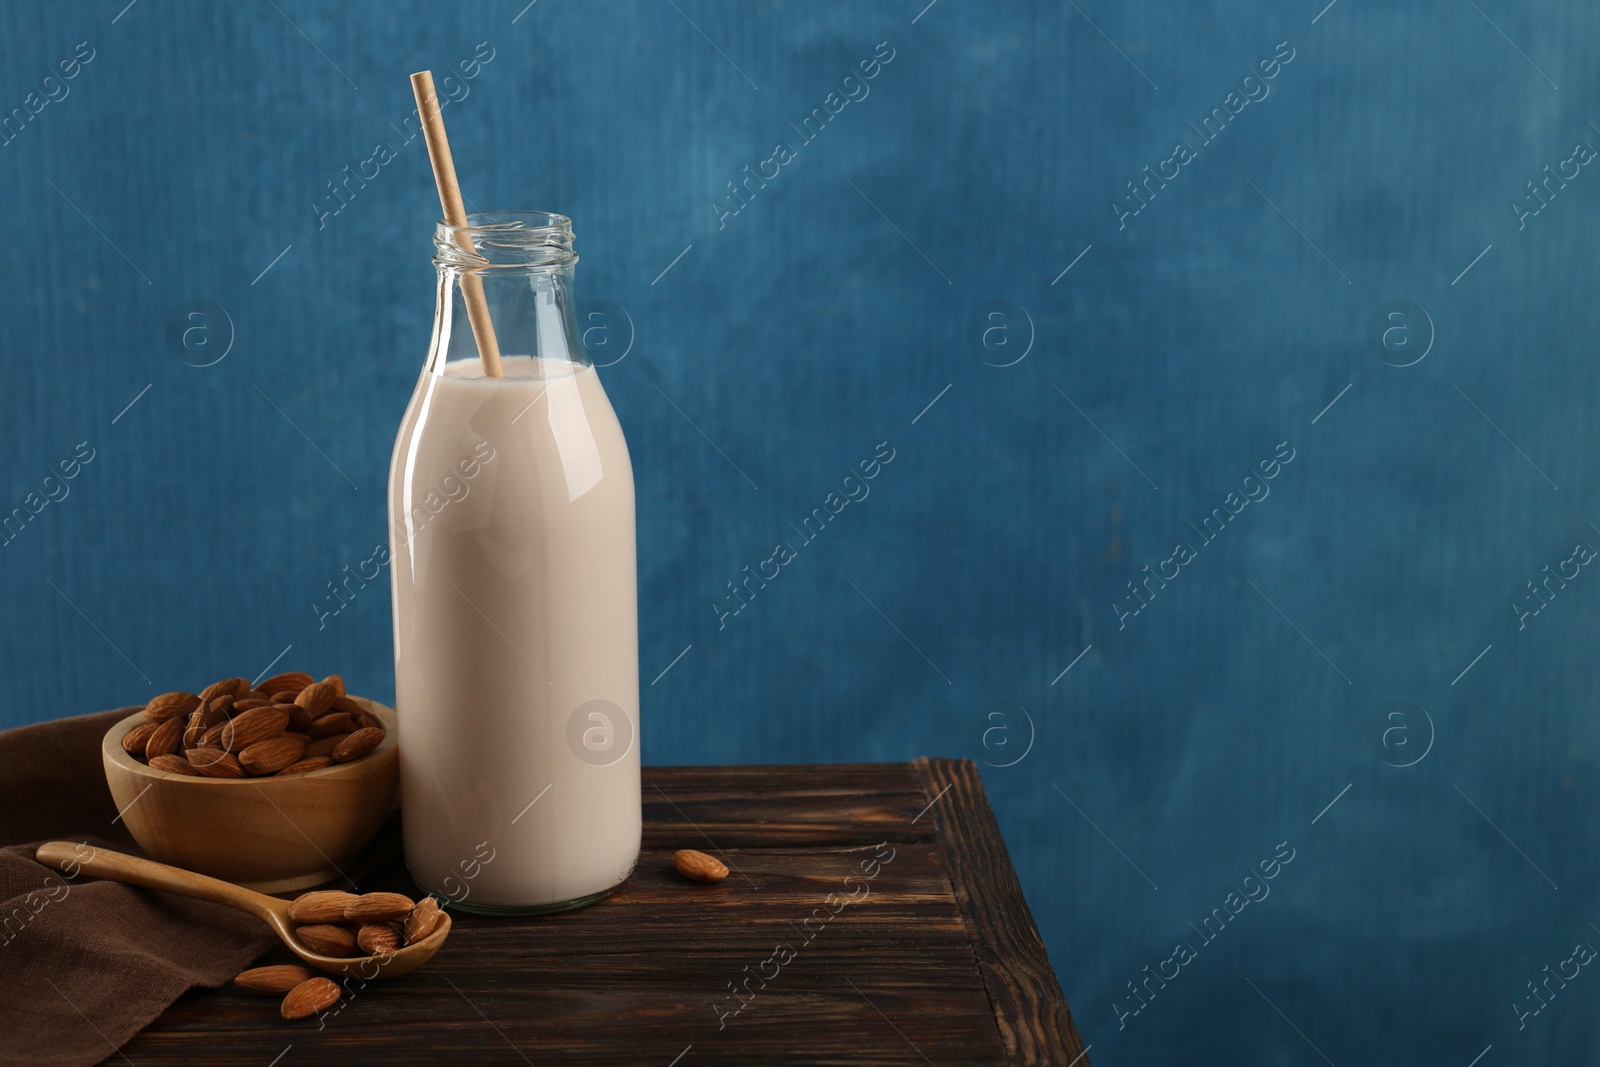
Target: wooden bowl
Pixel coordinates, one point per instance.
(271, 834)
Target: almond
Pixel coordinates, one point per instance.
(320, 906)
(328, 940)
(285, 696)
(215, 763)
(324, 746)
(348, 705)
(304, 739)
(357, 745)
(214, 711)
(378, 907)
(337, 682)
(309, 763)
(316, 697)
(165, 739)
(334, 723)
(378, 938)
(699, 866)
(257, 724)
(279, 978)
(212, 738)
(168, 705)
(255, 694)
(231, 686)
(175, 765)
(272, 755)
(309, 997)
(423, 920)
(295, 680)
(195, 732)
(134, 740)
(246, 703)
(299, 718)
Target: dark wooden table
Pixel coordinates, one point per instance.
(871, 917)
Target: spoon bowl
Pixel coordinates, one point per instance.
(76, 858)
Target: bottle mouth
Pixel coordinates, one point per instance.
(494, 241)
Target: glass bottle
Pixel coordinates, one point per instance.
(513, 573)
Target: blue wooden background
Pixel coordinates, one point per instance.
(1089, 271)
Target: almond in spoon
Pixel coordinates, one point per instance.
(378, 938)
(320, 906)
(328, 940)
(378, 907)
(423, 920)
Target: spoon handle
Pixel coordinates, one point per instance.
(78, 858)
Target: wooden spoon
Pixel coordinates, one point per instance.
(119, 867)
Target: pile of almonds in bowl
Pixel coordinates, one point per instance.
(346, 925)
(286, 724)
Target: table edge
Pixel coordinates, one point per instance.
(1029, 1007)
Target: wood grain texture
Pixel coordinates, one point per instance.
(932, 959)
(1029, 1007)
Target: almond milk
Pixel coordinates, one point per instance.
(511, 512)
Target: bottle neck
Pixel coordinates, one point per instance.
(518, 266)
(532, 312)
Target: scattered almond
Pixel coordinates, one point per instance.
(699, 866)
(320, 906)
(272, 755)
(357, 744)
(309, 997)
(279, 978)
(175, 765)
(378, 907)
(423, 920)
(328, 940)
(378, 938)
(170, 705)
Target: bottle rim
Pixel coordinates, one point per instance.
(505, 240)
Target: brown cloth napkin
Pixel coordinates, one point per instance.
(86, 964)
